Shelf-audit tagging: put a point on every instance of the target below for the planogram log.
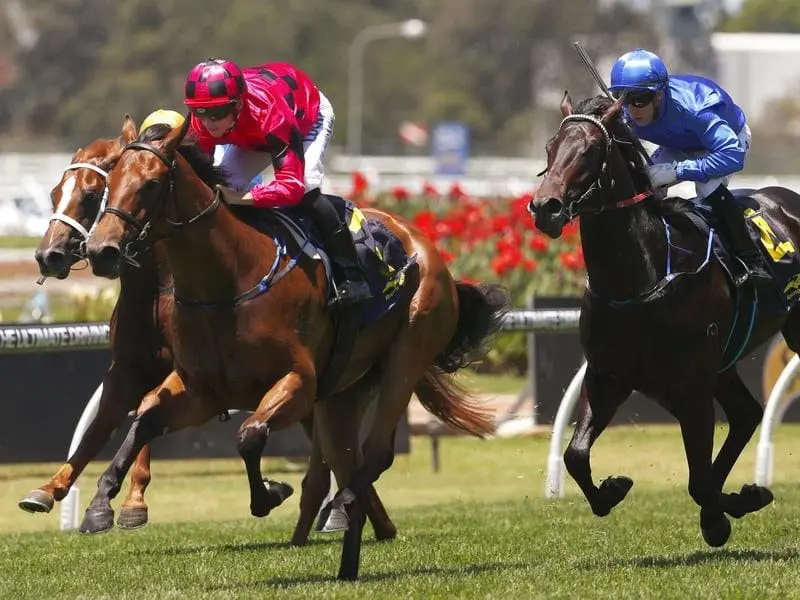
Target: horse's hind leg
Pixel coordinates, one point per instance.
(315, 486)
(744, 414)
(339, 419)
(601, 396)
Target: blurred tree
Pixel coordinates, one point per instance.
(156, 42)
(71, 34)
(768, 16)
(498, 59)
(495, 64)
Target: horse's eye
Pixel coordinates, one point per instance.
(91, 196)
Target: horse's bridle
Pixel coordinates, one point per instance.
(74, 223)
(573, 208)
(142, 229)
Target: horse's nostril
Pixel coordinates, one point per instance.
(105, 259)
(553, 206)
(51, 261)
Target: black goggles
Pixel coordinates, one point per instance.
(636, 99)
(213, 113)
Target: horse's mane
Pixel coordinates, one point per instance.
(596, 106)
(201, 163)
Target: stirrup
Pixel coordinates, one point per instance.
(350, 293)
(753, 274)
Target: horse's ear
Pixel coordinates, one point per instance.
(129, 130)
(175, 137)
(566, 104)
(612, 112)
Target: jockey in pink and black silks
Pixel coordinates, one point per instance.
(274, 114)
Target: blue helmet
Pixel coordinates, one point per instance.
(638, 70)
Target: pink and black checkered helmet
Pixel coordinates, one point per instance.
(214, 82)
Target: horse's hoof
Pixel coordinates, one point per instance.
(299, 540)
(260, 509)
(132, 518)
(97, 520)
(278, 492)
(611, 492)
(386, 535)
(716, 532)
(755, 497)
(275, 494)
(37, 501)
(332, 519)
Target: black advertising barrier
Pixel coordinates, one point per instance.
(558, 356)
(49, 372)
(45, 387)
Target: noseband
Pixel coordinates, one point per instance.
(603, 179)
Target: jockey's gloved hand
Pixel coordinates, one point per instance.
(662, 174)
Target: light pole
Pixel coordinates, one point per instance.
(413, 28)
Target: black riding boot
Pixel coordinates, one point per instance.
(348, 277)
(731, 219)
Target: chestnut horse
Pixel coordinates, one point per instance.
(141, 349)
(660, 314)
(252, 331)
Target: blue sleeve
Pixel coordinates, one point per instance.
(726, 155)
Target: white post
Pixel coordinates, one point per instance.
(412, 28)
(772, 416)
(554, 485)
(70, 505)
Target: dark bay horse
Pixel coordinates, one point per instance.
(267, 354)
(141, 347)
(659, 312)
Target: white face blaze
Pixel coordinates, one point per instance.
(67, 188)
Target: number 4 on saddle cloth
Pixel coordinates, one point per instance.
(779, 251)
(767, 234)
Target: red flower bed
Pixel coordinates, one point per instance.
(489, 239)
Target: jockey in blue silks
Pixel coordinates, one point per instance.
(702, 136)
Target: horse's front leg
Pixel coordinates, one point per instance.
(601, 396)
(133, 513)
(168, 409)
(121, 392)
(696, 418)
(288, 401)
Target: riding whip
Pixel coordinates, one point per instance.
(587, 61)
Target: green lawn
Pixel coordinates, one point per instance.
(19, 241)
(480, 528)
(493, 384)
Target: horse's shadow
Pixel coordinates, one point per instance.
(256, 546)
(284, 582)
(242, 547)
(700, 557)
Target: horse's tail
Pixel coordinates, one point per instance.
(452, 403)
(481, 310)
(480, 314)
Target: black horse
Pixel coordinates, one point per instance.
(661, 314)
